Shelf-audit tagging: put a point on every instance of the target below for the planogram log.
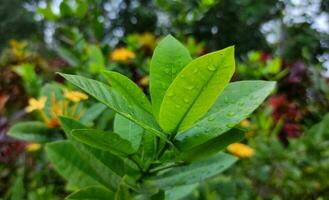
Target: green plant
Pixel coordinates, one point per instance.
(278, 171)
(157, 148)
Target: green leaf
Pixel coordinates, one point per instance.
(128, 89)
(178, 193)
(168, 59)
(195, 89)
(91, 193)
(237, 101)
(47, 13)
(77, 168)
(104, 140)
(27, 73)
(128, 130)
(193, 173)
(81, 9)
(68, 56)
(96, 60)
(93, 113)
(148, 149)
(123, 191)
(111, 98)
(119, 166)
(33, 131)
(17, 189)
(212, 146)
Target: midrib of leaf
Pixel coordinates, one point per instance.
(194, 100)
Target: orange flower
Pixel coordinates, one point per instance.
(241, 150)
(53, 123)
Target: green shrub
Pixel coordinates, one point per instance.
(156, 149)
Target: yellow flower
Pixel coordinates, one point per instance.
(144, 81)
(33, 147)
(245, 123)
(122, 55)
(36, 104)
(75, 96)
(147, 39)
(241, 150)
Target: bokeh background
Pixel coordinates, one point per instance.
(281, 40)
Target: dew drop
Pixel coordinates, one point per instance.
(230, 114)
(212, 118)
(167, 70)
(211, 68)
(230, 125)
(186, 100)
(177, 106)
(171, 94)
(189, 87)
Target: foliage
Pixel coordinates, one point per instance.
(276, 170)
(144, 160)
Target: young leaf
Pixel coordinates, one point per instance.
(237, 101)
(168, 59)
(33, 132)
(76, 168)
(128, 89)
(128, 130)
(106, 141)
(195, 172)
(111, 98)
(91, 193)
(195, 89)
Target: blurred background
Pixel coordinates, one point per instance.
(281, 40)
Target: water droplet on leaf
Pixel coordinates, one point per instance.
(189, 87)
(211, 118)
(211, 68)
(170, 94)
(230, 114)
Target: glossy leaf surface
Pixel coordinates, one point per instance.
(236, 103)
(128, 89)
(195, 89)
(195, 172)
(104, 140)
(168, 59)
(128, 130)
(76, 168)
